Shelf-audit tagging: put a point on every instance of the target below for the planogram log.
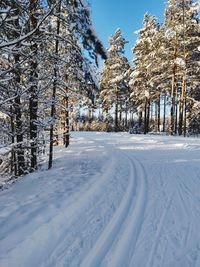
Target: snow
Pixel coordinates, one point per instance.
(3, 116)
(170, 33)
(180, 62)
(22, 38)
(111, 199)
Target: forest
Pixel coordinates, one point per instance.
(51, 82)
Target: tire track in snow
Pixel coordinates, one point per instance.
(127, 220)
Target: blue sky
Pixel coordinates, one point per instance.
(125, 14)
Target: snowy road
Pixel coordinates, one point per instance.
(111, 200)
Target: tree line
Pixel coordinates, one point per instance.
(162, 87)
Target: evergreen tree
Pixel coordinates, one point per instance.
(142, 84)
(78, 25)
(38, 41)
(181, 50)
(114, 77)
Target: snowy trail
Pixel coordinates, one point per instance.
(111, 200)
(127, 219)
(123, 250)
(170, 231)
(56, 224)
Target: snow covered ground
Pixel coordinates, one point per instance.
(114, 200)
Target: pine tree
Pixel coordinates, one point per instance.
(78, 28)
(190, 87)
(114, 77)
(142, 84)
(10, 76)
(180, 47)
(35, 61)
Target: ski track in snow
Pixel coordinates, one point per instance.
(111, 200)
(158, 234)
(126, 221)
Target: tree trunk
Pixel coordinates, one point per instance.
(54, 91)
(17, 127)
(120, 113)
(172, 105)
(185, 116)
(116, 113)
(158, 121)
(181, 108)
(132, 120)
(19, 137)
(66, 121)
(164, 113)
(126, 116)
(19, 130)
(148, 114)
(145, 115)
(151, 112)
(173, 91)
(140, 119)
(156, 116)
(176, 112)
(33, 101)
(13, 155)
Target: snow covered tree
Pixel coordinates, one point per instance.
(33, 81)
(191, 84)
(145, 66)
(167, 65)
(78, 28)
(38, 41)
(114, 77)
(180, 49)
(11, 70)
